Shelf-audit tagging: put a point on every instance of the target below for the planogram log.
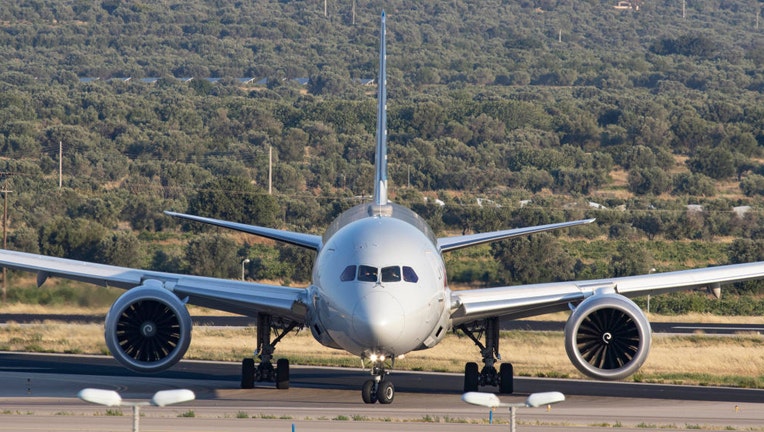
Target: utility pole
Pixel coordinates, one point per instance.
(270, 170)
(5, 241)
(60, 163)
(354, 13)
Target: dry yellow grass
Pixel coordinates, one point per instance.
(695, 359)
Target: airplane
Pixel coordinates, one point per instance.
(379, 290)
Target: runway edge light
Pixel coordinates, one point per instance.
(536, 400)
(101, 397)
(169, 397)
(489, 400)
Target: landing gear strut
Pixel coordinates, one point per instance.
(379, 388)
(265, 347)
(488, 376)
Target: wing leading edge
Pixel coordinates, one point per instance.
(536, 299)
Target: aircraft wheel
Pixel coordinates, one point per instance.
(506, 379)
(248, 373)
(368, 394)
(282, 374)
(386, 392)
(471, 377)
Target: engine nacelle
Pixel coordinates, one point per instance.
(607, 337)
(148, 328)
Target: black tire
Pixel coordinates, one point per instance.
(368, 394)
(282, 374)
(471, 377)
(506, 379)
(248, 373)
(385, 392)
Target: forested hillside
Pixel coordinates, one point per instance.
(501, 113)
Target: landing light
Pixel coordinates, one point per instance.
(376, 357)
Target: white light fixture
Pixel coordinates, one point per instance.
(492, 401)
(111, 398)
(245, 261)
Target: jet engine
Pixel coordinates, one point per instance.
(148, 328)
(607, 337)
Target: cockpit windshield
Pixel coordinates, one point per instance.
(366, 273)
(391, 274)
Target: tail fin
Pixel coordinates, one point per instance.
(380, 163)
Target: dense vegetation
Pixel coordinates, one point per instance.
(509, 112)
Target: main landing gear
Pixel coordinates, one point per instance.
(488, 376)
(379, 388)
(265, 347)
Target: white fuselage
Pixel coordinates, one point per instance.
(379, 285)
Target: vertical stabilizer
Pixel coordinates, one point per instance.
(380, 163)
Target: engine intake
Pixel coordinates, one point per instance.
(607, 337)
(148, 329)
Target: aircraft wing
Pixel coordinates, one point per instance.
(457, 242)
(227, 295)
(308, 241)
(536, 299)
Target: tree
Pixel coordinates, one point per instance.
(213, 255)
(292, 145)
(122, 248)
(234, 199)
(653, 181)
(630, 259)
(538, 258)
(71, 238)
(300, 259)
(752, 185)
(693, 184)
(715, 162)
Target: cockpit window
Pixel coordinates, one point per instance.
(391, 274)
(409, 275)
(367, 273)
(348, 274)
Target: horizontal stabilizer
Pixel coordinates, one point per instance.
(308, 241)
(452, 243)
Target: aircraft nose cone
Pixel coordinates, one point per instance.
(378, 320)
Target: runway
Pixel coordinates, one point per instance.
(37, 393)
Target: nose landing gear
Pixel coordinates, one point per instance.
(379, 388)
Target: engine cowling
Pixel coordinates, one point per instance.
(148, 328)
(607, 337)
